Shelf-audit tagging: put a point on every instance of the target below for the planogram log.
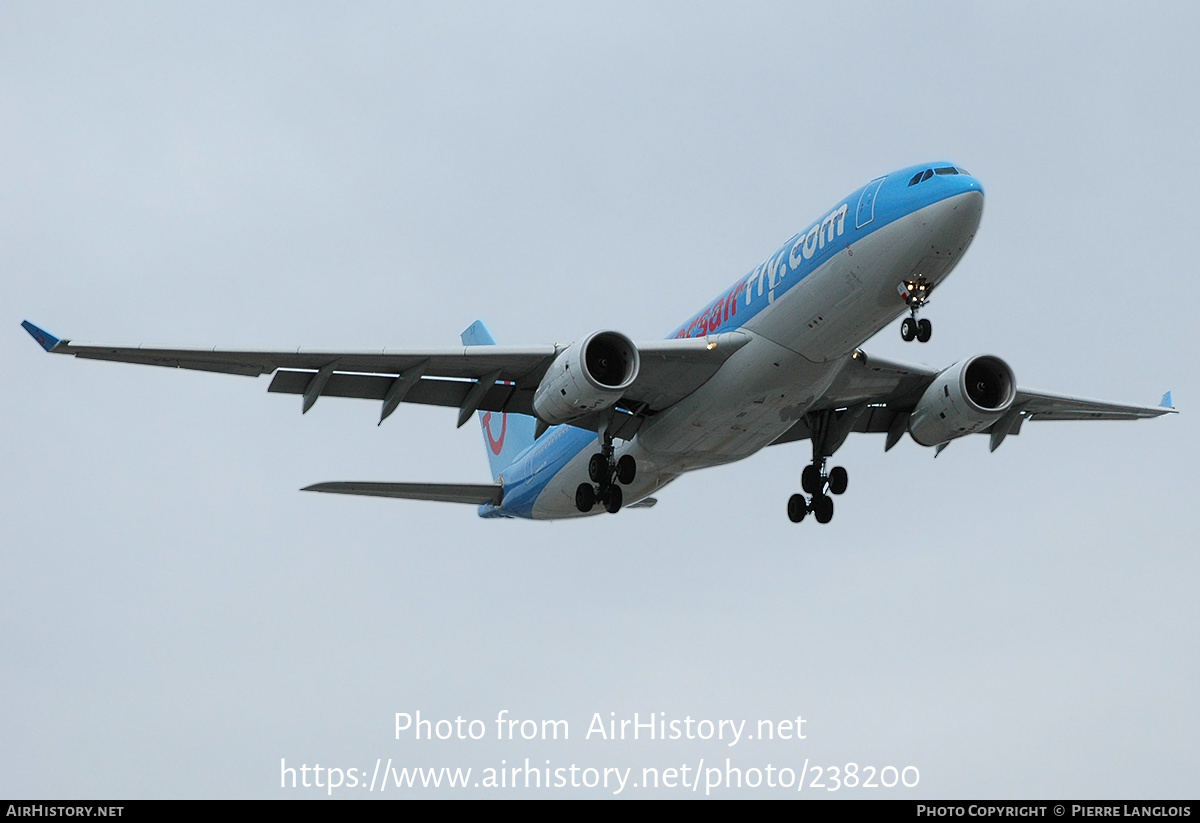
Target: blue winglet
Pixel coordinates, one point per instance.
(45, 339)
(1166, 401)
(477, 334)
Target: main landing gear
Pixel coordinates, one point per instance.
(814, 481)
(606, 474)
(827, 430)
(915, 293)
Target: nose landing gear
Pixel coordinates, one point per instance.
(915, 294)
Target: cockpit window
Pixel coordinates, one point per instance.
(922, 176)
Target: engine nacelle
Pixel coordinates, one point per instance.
(963, 399)
(587, 376)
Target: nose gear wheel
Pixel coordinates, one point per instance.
(915, 293)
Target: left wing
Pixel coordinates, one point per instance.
(870, 393)
(470, 378)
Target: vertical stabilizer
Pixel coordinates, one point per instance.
(505, 435)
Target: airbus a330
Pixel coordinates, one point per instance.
(605, 422)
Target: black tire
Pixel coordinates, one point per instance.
(612, 499)
(585, 497)
(838, 480)
(598, 468)
(810, 479)
(797, 508)
(924, 331)
(626, 470)
(908, 329)
(822, 507)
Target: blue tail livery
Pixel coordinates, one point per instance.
(505, 435)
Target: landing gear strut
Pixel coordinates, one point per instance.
(915, 293)
(827, 429)
(605, 474)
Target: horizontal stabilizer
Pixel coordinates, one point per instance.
(476, 493)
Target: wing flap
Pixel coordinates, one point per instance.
(427, 391)
(214, 364)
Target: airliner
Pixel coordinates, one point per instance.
(606, 422)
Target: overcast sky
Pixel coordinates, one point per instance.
(178, 618)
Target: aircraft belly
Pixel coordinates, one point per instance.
(756, 396)
(557, 500)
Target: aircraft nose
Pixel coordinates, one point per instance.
(966, 210)
(967, 196)
(973, 191)
(974, 197)
(968, 183)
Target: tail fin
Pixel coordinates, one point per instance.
(504, 435)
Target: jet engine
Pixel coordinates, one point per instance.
(965, 398)
(586, 377)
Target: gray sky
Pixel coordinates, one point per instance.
(178, 617)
